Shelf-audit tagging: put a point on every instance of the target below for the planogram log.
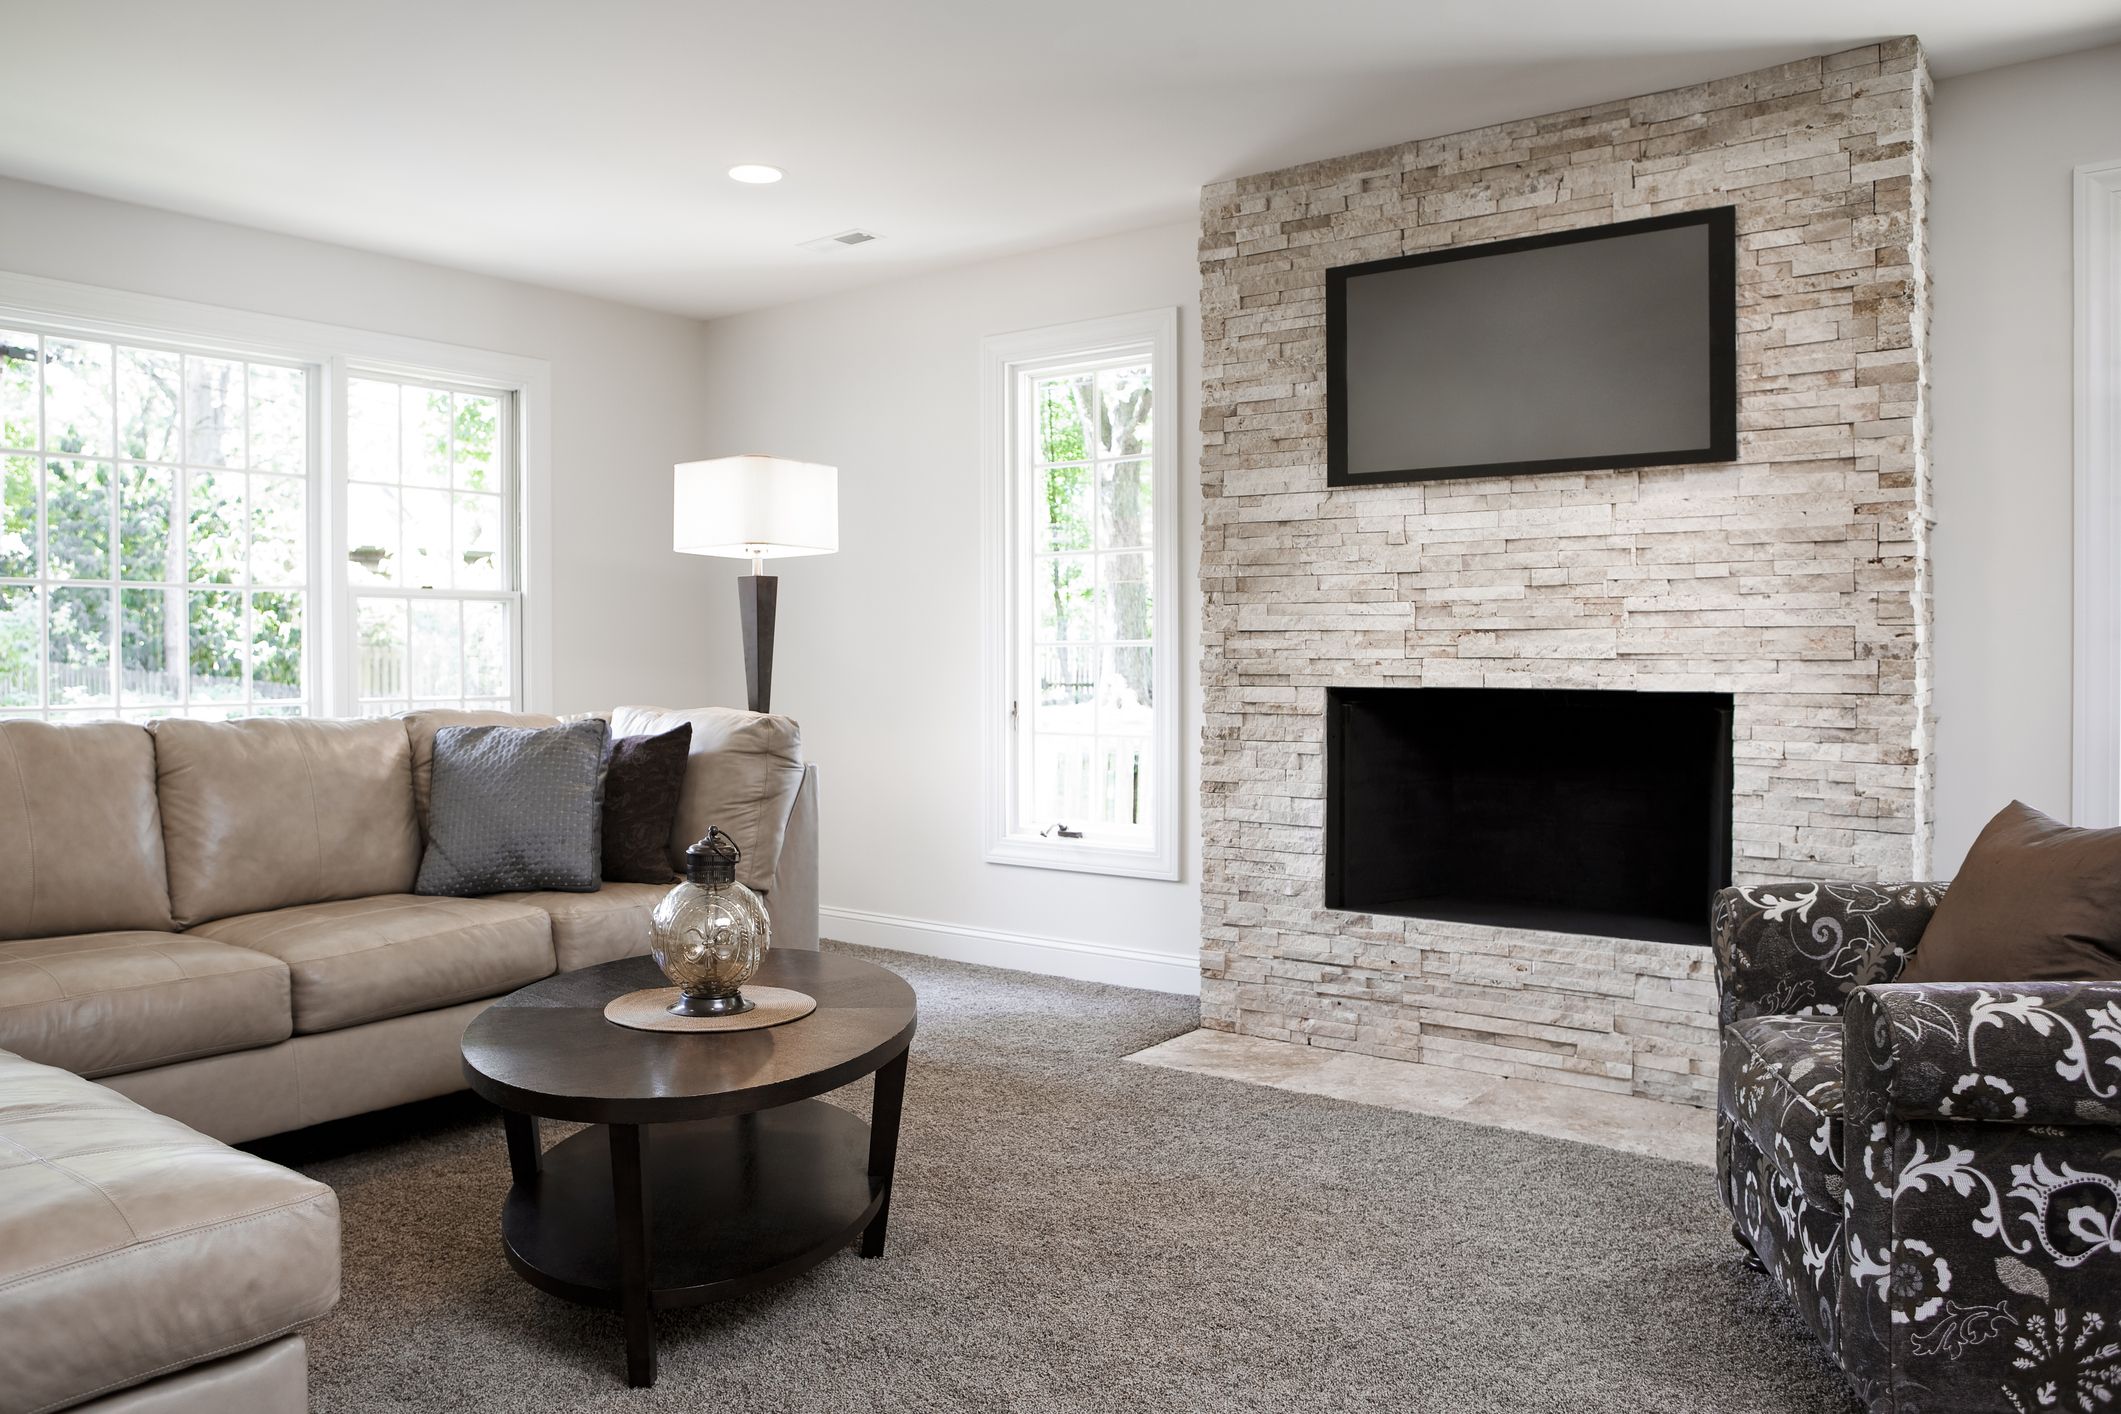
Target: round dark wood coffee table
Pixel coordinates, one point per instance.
(709, 1170)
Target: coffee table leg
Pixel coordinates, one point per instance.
(883, 1145)
(525, 1155)
(630, 1204)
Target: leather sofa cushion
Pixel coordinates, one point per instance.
(112, 1002)
(1781, 1081)
(364, 959)
(420, 729)
(272, 812)
(743, 775)
(135, 1245)
(80, 832)
(591, 928)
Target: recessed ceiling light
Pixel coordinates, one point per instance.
(757, 173)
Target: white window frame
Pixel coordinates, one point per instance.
(1005, 360)
(347, 703)
(331, 352)
(2096, 727)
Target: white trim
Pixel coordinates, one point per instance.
(2095, 756)
(534, 580)
(330, 347)
(334, 627)
(1018, 952)
(1001, 356)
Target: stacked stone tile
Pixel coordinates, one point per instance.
(1794, 578)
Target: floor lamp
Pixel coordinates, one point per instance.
(756, 508)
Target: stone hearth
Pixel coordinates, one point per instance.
(1793, 579)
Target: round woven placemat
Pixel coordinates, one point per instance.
(649, 1010)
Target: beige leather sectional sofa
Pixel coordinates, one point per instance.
(216, 920)
(145, 1268)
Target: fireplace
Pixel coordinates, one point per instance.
(1606, 813)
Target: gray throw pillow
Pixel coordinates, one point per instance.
(515, 808)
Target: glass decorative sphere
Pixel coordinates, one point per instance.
(711, 932)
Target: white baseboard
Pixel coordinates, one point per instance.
(1020, 952)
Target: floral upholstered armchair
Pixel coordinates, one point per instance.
(1929, 1172)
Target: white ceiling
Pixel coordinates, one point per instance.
(583, 145)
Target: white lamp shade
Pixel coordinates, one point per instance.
(748, 506)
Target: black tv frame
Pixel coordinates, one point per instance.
(1723, 352)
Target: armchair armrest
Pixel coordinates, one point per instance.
(1788, 949)
(1981, 1120)
(2046, 1053)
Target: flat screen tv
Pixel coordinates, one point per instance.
(1614, 346)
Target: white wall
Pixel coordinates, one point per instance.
(625, 403)
(2000, 242)
(879, 646)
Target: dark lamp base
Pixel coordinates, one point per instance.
(735, 1004)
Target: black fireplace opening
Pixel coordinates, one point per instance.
(1607, 813)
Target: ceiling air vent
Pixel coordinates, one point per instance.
(840, 240)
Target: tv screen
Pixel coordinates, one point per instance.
(1570, 351)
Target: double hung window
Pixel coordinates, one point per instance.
(430, 554)
(197, 528)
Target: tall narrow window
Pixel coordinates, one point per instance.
(430, 546)
(155, 531)
(1083, 722)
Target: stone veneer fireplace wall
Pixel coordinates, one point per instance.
(1794, 579)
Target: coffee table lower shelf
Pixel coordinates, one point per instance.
(726, 1206)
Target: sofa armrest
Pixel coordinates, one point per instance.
(2045, 1053)
(1789, 949)
(793, 904)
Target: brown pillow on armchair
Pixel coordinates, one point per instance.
(2036, 901)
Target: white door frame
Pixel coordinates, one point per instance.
(2095, 753)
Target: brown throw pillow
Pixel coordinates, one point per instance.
(2036, 901)
(642, 778)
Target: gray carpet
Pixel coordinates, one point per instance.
(1072, 1232)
